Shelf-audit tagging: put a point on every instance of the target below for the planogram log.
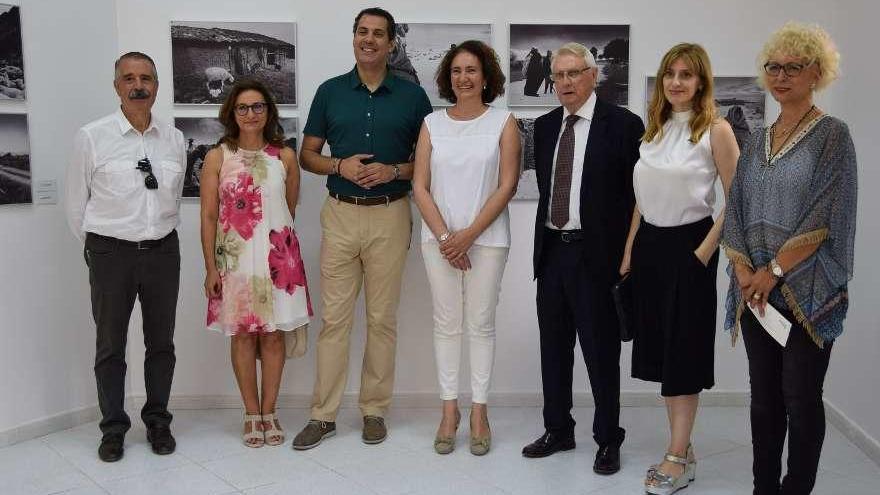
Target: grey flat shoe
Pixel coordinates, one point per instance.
(481, 446)
(445, 445)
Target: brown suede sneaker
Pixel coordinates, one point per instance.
(374, 430)
(313, 433)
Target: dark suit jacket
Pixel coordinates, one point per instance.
(606, 193)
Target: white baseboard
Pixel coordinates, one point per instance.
(711, 398)
(852, 431)
(45, 426)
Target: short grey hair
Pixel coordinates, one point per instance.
(133, 56)
(578, 50)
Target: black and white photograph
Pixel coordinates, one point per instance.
(420, 47)
(739, 100)
(527, 187)
(202, 134)
(531, 48)
(11, 56)
(15, 160)
(208, 57)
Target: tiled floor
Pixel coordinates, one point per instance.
(211, 460)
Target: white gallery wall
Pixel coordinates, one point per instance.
(45, 320)
(46, 359)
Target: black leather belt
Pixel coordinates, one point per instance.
(369, 200)
(566, 235)
(140, 245)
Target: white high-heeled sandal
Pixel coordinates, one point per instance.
(274, 435)
(253, 438)
(660, 483)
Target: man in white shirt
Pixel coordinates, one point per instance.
(585, 151)
(124, 185)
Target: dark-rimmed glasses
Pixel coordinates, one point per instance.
(241, 109)
(150, 180)
(791, 69)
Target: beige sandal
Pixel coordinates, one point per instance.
(274, 434)
(253, 438)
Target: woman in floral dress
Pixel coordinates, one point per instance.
(255, 281)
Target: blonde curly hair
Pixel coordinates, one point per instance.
(808, 41)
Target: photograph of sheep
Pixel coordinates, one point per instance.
(11, 56)
(208, 57)
(420, 47)
(739, 99)
(15, 160)
(531, 49)
(202, 134)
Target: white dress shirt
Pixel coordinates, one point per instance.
(581, 134)
(105, 192)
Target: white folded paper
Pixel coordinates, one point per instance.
(776, 325)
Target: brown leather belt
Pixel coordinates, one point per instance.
(369, 200)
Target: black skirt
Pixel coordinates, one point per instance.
(674, 305)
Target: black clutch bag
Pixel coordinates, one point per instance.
(622, 294)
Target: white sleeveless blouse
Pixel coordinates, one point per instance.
(674, 179)
(465, 167)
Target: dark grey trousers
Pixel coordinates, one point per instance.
(119, 272)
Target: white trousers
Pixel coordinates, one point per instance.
(465, 300)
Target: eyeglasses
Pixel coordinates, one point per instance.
(574, 75)
(150, 180)
(241, 109)
(791, 69)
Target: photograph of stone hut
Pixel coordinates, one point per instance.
(208, 57)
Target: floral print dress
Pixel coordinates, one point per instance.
(257, 252)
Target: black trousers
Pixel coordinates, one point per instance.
(119, 272)
(786, 396)
(572, 304)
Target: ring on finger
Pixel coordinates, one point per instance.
(757, 296)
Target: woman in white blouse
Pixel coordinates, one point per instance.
(466, 169)
(672, 248)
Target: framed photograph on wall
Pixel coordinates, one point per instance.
(15, 160)
(527, 187)
(532, 44)
(739, 100)
(11, 55)
(420, 47)
(209, 56)
(201, 134)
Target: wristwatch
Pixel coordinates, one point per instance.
(444, 236)
(396, 171)
(775, 268)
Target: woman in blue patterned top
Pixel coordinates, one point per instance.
(789, 232)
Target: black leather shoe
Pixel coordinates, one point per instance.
(111, 448)
(161, 440)
(607, 460)
(548, 444)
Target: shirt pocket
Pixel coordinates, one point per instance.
(172, 174)
(120, 177)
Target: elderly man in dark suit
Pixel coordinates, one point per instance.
(585, 151)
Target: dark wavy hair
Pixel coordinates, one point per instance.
(378, 12)
(488, 63)
(272, 133)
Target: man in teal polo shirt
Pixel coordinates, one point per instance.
(371, 120)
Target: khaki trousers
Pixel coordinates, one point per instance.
(360, 244)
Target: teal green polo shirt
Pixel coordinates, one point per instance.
(384, 123)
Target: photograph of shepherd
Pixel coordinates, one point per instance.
(15, 160)
(202, 134)
(527, 188)
(609, 44)
(11, 57)
(421, 47)
(209, 56)
(739, 100)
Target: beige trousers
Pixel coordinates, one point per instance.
(360, 244)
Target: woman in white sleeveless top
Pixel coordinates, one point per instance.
(466, 170)
(673, 248)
